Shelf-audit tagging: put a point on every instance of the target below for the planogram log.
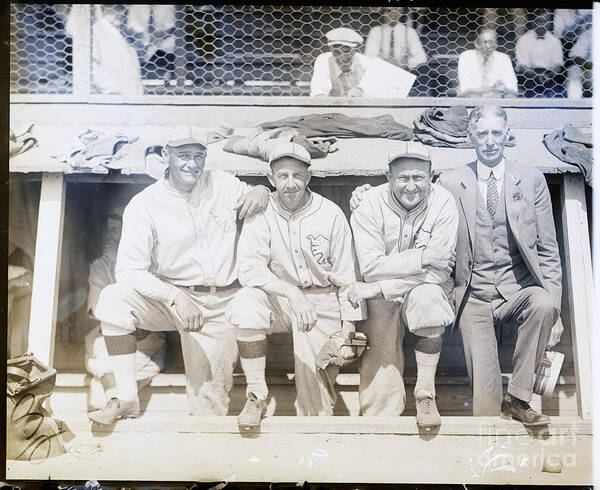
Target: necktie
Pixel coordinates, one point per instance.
(492, 194)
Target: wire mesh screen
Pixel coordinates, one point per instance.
(271, 50)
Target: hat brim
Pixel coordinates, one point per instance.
(414, 156)
(349, 44)
(291, 155)
(186, 141)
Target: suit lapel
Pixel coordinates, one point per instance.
(468, 198)
(513, 197)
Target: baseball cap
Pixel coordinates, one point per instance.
(411, 149)
(186, 135)
(289, 149)
(344, 37)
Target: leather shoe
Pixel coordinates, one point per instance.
(520, 410)
(250, 417)
(116, 409)
(427, 413)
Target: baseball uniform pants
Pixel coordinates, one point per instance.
(209, 355)
(381, 391)
(533, 314)
(253, 309)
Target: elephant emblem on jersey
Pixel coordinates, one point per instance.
(319, 247)
(224, 217)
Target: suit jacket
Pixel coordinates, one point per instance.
(529, 215)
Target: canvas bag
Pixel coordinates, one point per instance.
(30, 431)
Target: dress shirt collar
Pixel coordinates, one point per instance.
(483, 171)
(356, 66)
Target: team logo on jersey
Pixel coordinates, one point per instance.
(224, 217)
(319, 247)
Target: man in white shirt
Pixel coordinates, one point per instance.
(345, 72)
(485, 72)
(396, 42)
(295, 261)
(176, 270)
(539, 58)
(338, 73)
(405, 235)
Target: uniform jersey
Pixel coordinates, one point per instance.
(175, 238)
(310, 248)
(390, 241)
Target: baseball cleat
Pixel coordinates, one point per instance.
(116, 409)
(250, 417)
(428, 416)
(516, 409)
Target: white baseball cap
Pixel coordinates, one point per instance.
(187, 135)
(411, 149)
(344, 37)
(289, 149)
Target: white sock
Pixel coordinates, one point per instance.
(124, 370)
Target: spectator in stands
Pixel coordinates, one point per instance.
(485, 72)
(573, 28)
(579, 72)
(338, 73)
(396, 41)
(539, 58)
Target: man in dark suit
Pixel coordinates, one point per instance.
(507, 268)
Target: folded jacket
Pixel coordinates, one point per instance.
(572, 146)
(452, 121)
(432, 137)
(342, 126)
(260, 143)
(94, 148)
(20, 139)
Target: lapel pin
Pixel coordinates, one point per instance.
(517, 196)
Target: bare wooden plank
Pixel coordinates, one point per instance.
(46, 270)
(578, 268)
(226, 100)
(355, 157)
(180, 421)
(341, 458)
(246, 112)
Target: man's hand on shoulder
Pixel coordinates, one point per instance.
(255, 201)
(192, 317)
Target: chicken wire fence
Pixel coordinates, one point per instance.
(266, 50)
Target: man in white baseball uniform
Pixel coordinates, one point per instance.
(296, 262)
(176, 270)
(405, 235)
